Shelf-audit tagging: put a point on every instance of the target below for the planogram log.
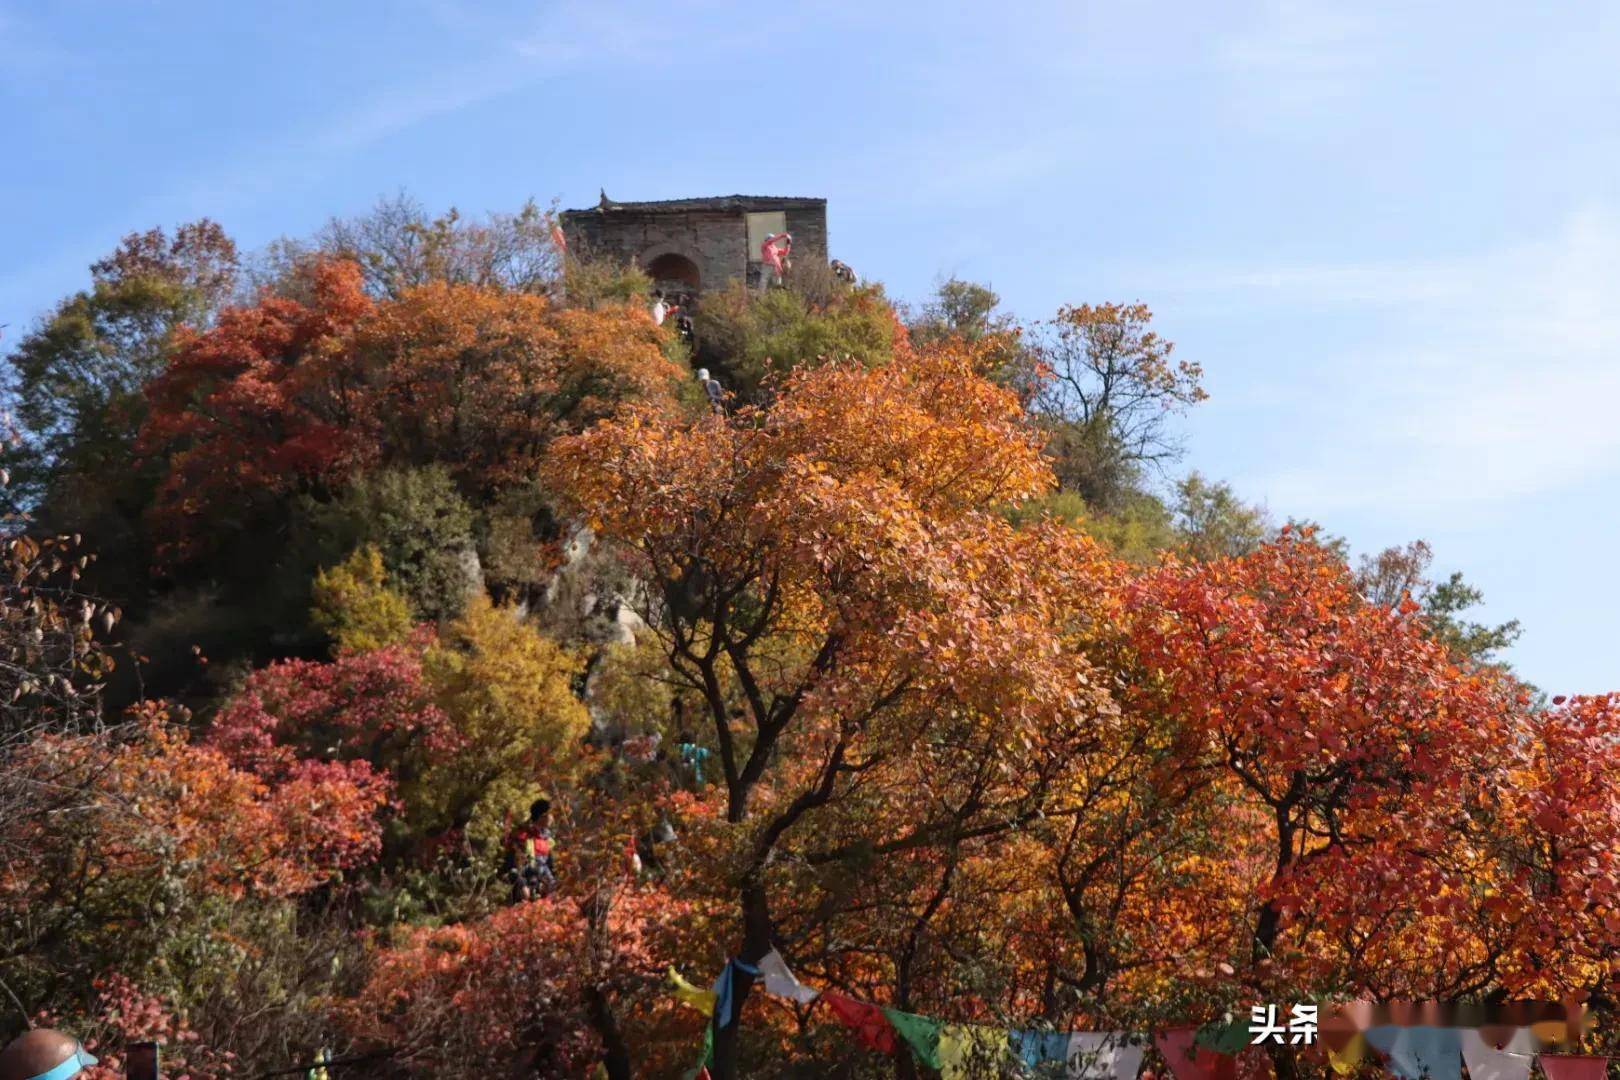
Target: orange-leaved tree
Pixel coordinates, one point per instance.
(296, 396)
(1352, 755)
(146, 835)
(876, 655)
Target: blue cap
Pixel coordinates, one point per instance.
(73, 1065)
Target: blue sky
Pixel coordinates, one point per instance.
(1390, 232)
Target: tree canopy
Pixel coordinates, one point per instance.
(426, 565)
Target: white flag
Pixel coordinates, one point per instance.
(780, 981)
(1104, 1055)
(1486, 1062)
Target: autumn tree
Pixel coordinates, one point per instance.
(278, 426)
(148, 838)
(1111, 388)
(1552, 913)
(52, 665)
(421, 528)
(971, 312)
(355, 606)
(288, 396)
(76, 379)
(508, 691)
(521, 987)
(1396, 573)
(1351, 745)
(265, 403)
(749, 339)
(399, 245)
(837, 595)
(959, 308)
(374, 709)
(481, 381)
(1212, 522)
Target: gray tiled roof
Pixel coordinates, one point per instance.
(735, 203)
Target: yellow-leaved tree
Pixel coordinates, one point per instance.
(507, 691)
(356, 608)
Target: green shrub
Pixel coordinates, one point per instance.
(421, 526)
(748, 337)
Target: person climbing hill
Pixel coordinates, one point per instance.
(530, 858)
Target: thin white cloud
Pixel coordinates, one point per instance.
(1479, 379)
(1298, 56)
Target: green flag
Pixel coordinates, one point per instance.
(920, 1033)
(1223, 1038)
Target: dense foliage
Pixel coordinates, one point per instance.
(911, 665)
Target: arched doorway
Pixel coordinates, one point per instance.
(672, 272)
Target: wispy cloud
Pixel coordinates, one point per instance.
(1479, 378)
(494, 59)
(1296, 57)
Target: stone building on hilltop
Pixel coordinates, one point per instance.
(689, 245)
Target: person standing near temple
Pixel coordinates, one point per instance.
(775, 252)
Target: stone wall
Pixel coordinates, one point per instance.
(715, 240)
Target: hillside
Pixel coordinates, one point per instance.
(348, 580)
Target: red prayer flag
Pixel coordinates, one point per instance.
(871, 1027)
(1189, 1061)
(1573, 1067)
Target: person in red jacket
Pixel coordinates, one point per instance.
(530, 861)
(774, 252)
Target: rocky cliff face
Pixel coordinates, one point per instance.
(591, 597)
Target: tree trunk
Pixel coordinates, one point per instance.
(615, 1052)
(756, 943)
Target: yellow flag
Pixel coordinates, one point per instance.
(966, 1051)
(1345, 1061)
(700, 999)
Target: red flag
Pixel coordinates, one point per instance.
(870, 1026)
(1189, 1061)
(1573, 1067)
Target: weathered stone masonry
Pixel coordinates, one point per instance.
(697, 244)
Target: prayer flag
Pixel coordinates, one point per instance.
(1573, 1067)
(1511, 1060)
(871, 1027)
(1189, 1061)
(1346, 1058)
(1434, 1053)
(921, 1034)
(1104, 1055)
(700, 999)
(782, 982)
(967, 1051)
(1038, 1047)
(724, 992)
(1223, 1038)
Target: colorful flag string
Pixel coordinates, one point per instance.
(1210, 1052)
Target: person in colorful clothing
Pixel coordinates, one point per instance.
(530, 861)
(693, 756)
(774, 253)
